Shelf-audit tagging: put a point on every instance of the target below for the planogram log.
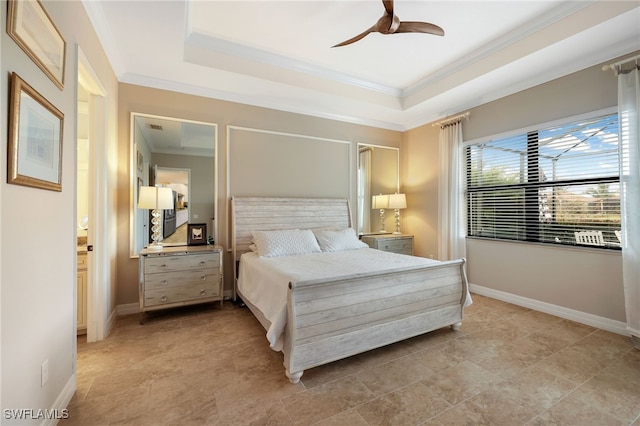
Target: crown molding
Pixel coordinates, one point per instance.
(309, 110)
(217, 45)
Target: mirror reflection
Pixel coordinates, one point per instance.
(177, 154)
(174, 219)
(378, 173)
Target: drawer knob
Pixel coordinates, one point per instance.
(163, 298)
(164, 282)
(203, 292)
(203, 278)
(202, 263)
(163, 266)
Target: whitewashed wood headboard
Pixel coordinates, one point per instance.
(250, 214)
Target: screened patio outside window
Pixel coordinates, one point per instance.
(547, 185)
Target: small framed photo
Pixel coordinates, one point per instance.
(35, 139)
(196, 234)
(31, 27)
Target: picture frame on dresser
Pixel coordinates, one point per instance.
(35, 138)
(196, 234)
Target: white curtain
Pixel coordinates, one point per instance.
(628, 105)
(364, 192)
(451, 228)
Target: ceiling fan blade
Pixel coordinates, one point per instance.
(419, 27)
(388, 6)
(389, 23)
(356, 38)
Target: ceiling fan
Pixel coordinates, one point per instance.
(389, 23)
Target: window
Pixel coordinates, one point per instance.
(547, 185)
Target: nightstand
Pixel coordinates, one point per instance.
(178, 276)
(395, 243)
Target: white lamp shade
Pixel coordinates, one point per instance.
(147, 197)
(151, 197)
(380, 202)
(397, 201)
(165, 198)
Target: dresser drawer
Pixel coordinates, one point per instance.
(180, 294)
(179, 263)
(193, 277)
(404, 246)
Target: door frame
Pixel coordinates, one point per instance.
(97, 236)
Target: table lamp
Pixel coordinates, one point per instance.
(155, 199)
(380, 202)
(397, 202)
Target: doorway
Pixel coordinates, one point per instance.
(91, 204)
(82, 208)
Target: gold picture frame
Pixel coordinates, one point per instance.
(35, 138)
(31, 27)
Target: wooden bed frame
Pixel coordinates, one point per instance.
(328, 320)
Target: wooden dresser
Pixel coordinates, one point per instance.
(396, 243)
(178, 276)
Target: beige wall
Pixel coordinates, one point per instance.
(589, 281)
(38, 229)
(287, 165)
(419, 172)
(306, 129)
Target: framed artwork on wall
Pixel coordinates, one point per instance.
(31, 27)
(35, 138)
(196, 234)
(140, 161)
(138, 189)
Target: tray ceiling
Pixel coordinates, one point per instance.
(277, 54)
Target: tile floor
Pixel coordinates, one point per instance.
(210, 366)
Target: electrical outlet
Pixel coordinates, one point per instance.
(44, 372)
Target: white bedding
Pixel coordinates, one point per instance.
(263, 282)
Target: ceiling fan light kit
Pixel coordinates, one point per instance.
(389, 23)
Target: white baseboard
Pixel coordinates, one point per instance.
(62, 401)
(617, 327)
(111, 322)
(128, 309)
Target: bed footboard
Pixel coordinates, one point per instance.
(331, 320)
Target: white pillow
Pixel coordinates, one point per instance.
(338, 240)
(285, 242)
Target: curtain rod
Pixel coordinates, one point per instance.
(614, 66)
(451, 119)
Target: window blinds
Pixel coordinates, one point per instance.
(545, 185)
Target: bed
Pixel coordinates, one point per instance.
(324, 302)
